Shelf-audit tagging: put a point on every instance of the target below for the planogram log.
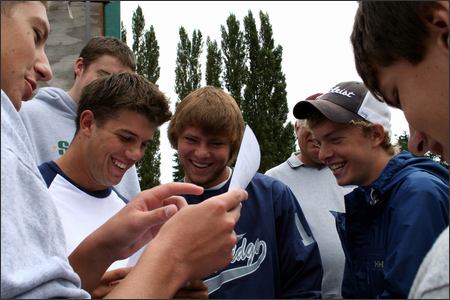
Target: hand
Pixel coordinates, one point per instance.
(108, 281)
(140, 220)
(199, 239)
(195, 289)
(128, 230)
(195, 242)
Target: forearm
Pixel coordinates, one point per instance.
(90, 261)
(155, 276)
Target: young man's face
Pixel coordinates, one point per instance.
(24, 33)
(103, 66)
(309, 146)
(204, 157)
(115, 146)
(347, 152)
(421, 91)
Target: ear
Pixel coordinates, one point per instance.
(78, 67)
(87, 122)
(436, 21)
(378, 134)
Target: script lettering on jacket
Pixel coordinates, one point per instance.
(242, 251)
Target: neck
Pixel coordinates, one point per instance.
(75, 166)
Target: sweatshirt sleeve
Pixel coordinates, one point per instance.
(301, 265)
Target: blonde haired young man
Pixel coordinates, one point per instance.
(401, 204)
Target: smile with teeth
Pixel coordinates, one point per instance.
(335, 167)
(119, 164)
(200, 165)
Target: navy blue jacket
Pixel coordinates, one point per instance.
(390, 225)
(276, 255)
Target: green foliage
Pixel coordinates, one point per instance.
(213, 64)
(123, 33)
(233, 49)
(146, 50)
(265, 99)
(188, 75)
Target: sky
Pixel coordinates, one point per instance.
(315, 36)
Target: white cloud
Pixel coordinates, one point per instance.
(315, 36)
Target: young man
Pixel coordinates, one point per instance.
(408, 69)
(50, 117)
(33, 259)
(276, 255)
(316, 189)
(401, 204)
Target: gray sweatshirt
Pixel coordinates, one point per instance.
(50, 121)
(33, 258)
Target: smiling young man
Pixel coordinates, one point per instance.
(50, 117)
(276, 255)
(401, 204)
(404, 61)
(316, 189)
(117, 117)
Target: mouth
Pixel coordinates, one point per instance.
(200, 165)
(30, 87)
(119, 164)
(336, 167)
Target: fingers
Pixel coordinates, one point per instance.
(230, 199)
(178, 201)
(167, 190)
(236, 212)
(115, 274)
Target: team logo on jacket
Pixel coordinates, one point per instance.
(253, 253)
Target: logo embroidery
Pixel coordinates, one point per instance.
(343, 92)
(242, 251)
(62, 147)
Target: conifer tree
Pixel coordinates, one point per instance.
(146, 50)
(265, 100)
(213, 64)
(123, 33)
(233, 49)
(187, 75)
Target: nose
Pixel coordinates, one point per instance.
(324, 152)
(42, 67)
(135, 152)
(202, 151)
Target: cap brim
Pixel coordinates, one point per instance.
(333, 112)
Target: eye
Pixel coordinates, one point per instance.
(336, 140)
(37, 36)
(190, 140)
(126, 138)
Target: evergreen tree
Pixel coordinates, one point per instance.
(187, 75)
(233, 49)
(265, 103)
(138, 25)
(123, 33)
(213, 64)
(146, 50)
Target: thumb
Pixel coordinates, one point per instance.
(159, 215)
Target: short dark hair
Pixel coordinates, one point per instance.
(108, 95)
(107, 45)
(385, 32)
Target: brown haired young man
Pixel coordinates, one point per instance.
(276, 255)
(50, 117)
(401, 53)
(33, 259)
